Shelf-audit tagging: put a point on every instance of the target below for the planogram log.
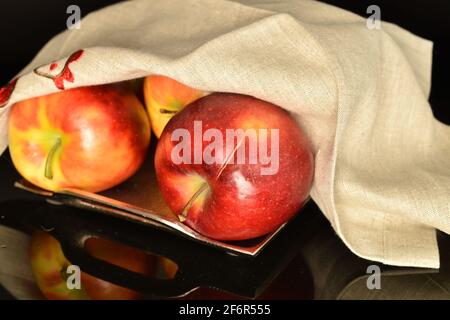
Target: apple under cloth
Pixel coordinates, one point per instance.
(382, 173)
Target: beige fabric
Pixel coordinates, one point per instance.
(382, 161)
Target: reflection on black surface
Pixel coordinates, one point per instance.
(307, 260)
(199, 265)
(339, 274)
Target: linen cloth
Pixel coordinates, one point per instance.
(382, 175)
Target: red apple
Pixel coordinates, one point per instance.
(49, 266)
(89, 138)
(164, 97)
(237, 188)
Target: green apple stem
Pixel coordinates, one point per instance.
(167, 111)
(182, 217)
(51, 155)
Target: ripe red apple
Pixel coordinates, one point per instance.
(234, 167)
(164, 97)
(49, 266)
(89, 138)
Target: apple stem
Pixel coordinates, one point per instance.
(183, 215)
(49, 162)
(166, 111)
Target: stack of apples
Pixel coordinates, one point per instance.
(210, 173)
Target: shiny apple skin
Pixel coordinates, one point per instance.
(104, 133)
(164, 97)
(240, 203)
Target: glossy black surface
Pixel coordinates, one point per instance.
(198, 265)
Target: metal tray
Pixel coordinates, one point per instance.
(199, 265)
(139, 199)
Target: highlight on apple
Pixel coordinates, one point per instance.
(230, 149)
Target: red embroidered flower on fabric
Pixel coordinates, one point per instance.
(6, 91)
(65, 74)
